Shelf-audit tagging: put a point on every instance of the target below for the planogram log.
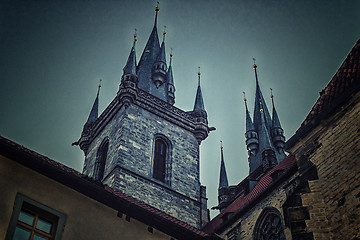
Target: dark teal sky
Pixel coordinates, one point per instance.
(53, 53)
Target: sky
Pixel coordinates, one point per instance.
(53, 53)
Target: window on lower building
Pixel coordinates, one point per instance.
(34, 221)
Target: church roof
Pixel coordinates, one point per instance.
(343, 84)
(347, 75)
(99, 192)
(244, 202)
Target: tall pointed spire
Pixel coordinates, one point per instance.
(249, 123)
(259, 98)
(159, 67)
(149, 55)
(275, 118)
(130, 67)
(223, 181)
(170, 79)
(199, 102)
(95, 108)
(252, 141)
(277, 131)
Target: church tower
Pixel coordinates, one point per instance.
(144, 146)
(265, 144)
(264, 136)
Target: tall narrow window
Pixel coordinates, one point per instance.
(101, 160)
(160, 156)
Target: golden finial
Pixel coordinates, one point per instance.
(261, 107)
(171, 54)
(99, 84)
(244, 97)
(164, 32)
(135, 35)
(271, 94)
(254, 66)
(221, 146)
(199, 71)
(157, 7)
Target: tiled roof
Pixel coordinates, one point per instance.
(344, 79)
(244, 201)
(83, 184)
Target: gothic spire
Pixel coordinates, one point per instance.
(275, 118)
(148, 57)
(159, 68)
(260, 99)
(170, 79)
(277, 131)
(223, 181)
(162, 57)
(249, 123)
(130, 67)
(199, 102)
(265, 140)
(94, 110)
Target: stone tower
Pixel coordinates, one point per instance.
(144, 146)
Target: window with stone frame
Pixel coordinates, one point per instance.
(100, 162)
(34, 221)
(161, 159)
(269, 225)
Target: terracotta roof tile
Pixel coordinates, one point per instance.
(347, 75)
(243, 201)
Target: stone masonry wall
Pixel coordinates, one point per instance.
(131, 133)
(334, 199)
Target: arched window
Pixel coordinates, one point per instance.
(161, 159)
(101, 160)
(269, 225)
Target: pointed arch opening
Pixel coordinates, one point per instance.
(161, 167)
(100, 162)
(269, 225)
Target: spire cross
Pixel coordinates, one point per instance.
(99, 84)
(171, 55)
(254, 66)
(271, 93)
(244, 97)
(134, 36)
(157, 9)
(164, 33)
(221, 146)
(199, 75)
